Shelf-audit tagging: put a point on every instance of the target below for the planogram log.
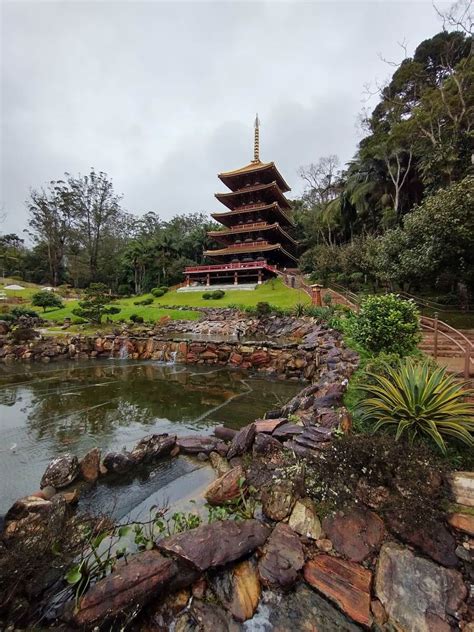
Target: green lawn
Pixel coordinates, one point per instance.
(274, 292)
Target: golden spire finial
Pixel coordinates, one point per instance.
(256, 144)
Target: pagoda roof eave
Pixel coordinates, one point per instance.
(225, 198)
(250, 229)
(251, 249)
(274, 205)
(255, 166)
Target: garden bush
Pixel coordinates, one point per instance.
(144, 301)
(387, 323)
(207, 295)
(419, 401)
(135, 318)
(18, 312)
(45, 299)
(217, 294)
(157, 291)
(165, 288)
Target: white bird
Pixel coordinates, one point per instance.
(13, 447)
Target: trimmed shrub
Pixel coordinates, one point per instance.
(157, 292)
(165, 288)
(387, 323)
(135, 318)
(145, 301)
(263, 308)
(45, 299)
(217, 294)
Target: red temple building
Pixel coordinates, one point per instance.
(254, 242)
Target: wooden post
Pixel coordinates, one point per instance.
(259, 277)
(435, 341)
(208, 279)
(316, 295)
(236, 278)
(187, 280)
(467, 363)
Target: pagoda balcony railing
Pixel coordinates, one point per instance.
(250, 244)
(238, 227)
(251, 265)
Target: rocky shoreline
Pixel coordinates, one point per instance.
(285, 562)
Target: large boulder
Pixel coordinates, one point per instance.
(118, 462)
(356, 534)
(226, 487)
(282, 558)
(416, 593)
(89, 465)
(345, 583)
(301, 610)
(61, 472)
(131, 584)
(153, 447)
(242, 442)
(304, 519)
(28, 505)
(217, 543)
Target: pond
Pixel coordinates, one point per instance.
(46, 410)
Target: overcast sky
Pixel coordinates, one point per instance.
(162, 95)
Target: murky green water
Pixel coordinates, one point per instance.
(46, 410)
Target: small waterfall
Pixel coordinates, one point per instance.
(173, 355)
(123, 353)
(112, 348)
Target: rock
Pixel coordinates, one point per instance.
(268, 425)
(301, 610)
(28, 505)
(89, 465)
(226, 487)
(219, 463)
(203, 617)
(4, 328)
(132, 583)
(153, 447)
(345, 583)
(195, 444)
(432, 538)
(278, 501)
(416, 593)
(462, 522)
(118, 462)
(238, 589)
(324, 545)
(304, 519)
(71, 498)
(264, 444)
(380, 616)
(242, 442)
(355, 534)
(217, 543)
(199, 588)
(287, 431)
(227, 434)
(61, 472)
(46, 493)
(282, 558)
(462, 487)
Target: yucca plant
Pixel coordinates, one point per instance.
(416, 399)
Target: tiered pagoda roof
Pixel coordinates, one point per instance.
(258, 220)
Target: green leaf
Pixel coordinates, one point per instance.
(74, 575)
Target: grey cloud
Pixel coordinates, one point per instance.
(162, 95)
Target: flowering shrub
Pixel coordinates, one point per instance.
(387, 323)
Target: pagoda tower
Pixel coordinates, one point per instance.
(254, 242)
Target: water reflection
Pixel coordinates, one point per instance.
(46, 410)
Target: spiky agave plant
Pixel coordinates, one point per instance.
(416, 400)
